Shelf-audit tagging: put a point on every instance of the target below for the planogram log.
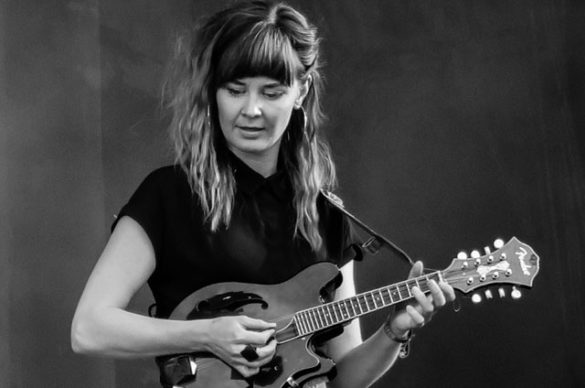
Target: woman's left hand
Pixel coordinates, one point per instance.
(420, 311)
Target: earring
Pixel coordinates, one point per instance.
(208, 117)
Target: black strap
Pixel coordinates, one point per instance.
(376, 241)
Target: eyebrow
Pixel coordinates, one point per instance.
(271, 84)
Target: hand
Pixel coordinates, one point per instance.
(230, 335)
(416, 314)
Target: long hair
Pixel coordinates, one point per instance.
(255, 38)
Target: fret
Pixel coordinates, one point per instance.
(318, 313)
(301, 325)
(408, 287)
(363, 306)
(378, 296)
(307, 321)
(332, 315)
(334, 312)
(402, 297)
(357, 302)
(340, 308)
(327, 315)
(344, 308)
(298, 323)
(297, 326)
(338, 316)
(374, 300)
(367, 302)
(395, 294)
(388, 296)
(313, 319)
(353, 313)
(426, 284)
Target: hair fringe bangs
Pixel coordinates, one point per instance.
(266, 52)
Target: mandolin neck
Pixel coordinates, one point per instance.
(327, 315)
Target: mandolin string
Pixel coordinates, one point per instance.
(363, 298)
(337, 312)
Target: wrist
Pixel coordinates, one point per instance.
(400, 338)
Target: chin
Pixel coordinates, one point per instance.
(253, 147)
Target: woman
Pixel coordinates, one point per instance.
(242, 203)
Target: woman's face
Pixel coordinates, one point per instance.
(254, 113)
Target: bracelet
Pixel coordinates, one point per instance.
(403, 341)
(390, 334)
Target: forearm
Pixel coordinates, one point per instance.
(113, 332)
(366, 363)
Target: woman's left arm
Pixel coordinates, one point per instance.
(361, 363)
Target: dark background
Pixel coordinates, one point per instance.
(452, 123)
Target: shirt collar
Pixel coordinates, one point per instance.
(249, 181)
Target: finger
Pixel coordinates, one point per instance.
(416, 317)
(425, 303)
(256, 324)
(437, 294)
(247, 371)
(416, 270)
(258, 338)
(265, 354)
(448, 291)
(267, 351)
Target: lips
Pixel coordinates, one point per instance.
(251, 129)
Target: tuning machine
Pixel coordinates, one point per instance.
(498, 243)
(516, 293)
(477, 298)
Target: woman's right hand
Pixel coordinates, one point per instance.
(229, 336)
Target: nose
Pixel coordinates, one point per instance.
(252, 106)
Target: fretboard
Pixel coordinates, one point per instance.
(331, 314)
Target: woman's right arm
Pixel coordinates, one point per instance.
(102, 326)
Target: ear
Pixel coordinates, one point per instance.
(303, 91)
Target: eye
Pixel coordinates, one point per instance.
(234, 91)
(274, 94)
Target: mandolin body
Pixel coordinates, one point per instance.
(296, 360)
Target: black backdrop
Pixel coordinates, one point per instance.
(452, 123)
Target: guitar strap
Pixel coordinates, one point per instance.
(376, 241)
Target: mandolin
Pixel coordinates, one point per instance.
(306, 316)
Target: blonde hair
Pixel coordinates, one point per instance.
(249, 39)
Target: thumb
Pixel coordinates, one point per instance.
(416, 270)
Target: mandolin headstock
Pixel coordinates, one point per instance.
(513, 263)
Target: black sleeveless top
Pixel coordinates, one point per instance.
(259, 246)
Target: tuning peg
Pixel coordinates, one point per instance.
(498, 243)
(488, 294)
(516, 293)
(476, 298)
(462, 255)
(475, 254)
(487, 250)
(502, 292)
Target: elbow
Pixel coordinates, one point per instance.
(83, 341)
